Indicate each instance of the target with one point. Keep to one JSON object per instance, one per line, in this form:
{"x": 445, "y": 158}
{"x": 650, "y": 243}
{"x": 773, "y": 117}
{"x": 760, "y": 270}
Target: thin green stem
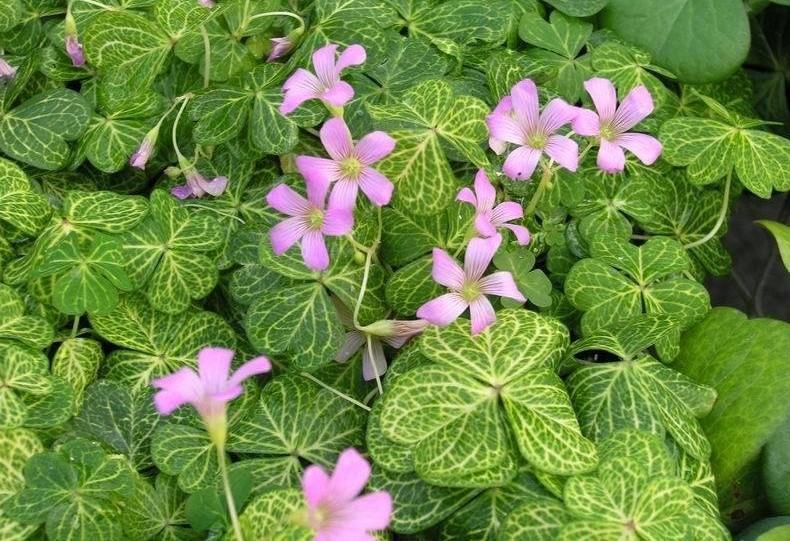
{"x": 223, "y": 468}
{"x": 545, "y": 178}
{"x": 720, "y": 220}
{"x": 363, "y": 287}
{"x": 75, "y": 327}
{"x": 216, "y": 211}
{"x": 94, "y": 3}
{"x": 185, "y": 100}
{"x": 369, "y": 340}
{"x": 335, "y": 391}
{"x": 370, "y": 395}
{"x": 206, "y": 55}
{"x": 277, "y": 13}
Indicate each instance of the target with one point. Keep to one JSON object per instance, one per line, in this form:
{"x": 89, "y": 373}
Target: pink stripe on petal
{"x": 344, "y": 194}
{"x": 485, "y": 191}
{"x": 214, "y": 368}
{"x": 349, "y": 477}
{"x": 443, "y": 310}
{"x": 564, "y": 151}
{"x": 555, "y": 115}
{"x": 315, "y": 169}
{"x": 314, "y": 251}
{"x": 479, "y": 253}
{"x": 586, "y": 123}
{"x": 336, "y": 138}
{"x": 610, "y": 157}
{"x": 324, "y": 64}
{"x": 337, "y": 222}
{"x": 484, "y": 226}
{"x": 446, "y": 271}
{"x": 521, "y": 233}
{"x": 633, "y": 109}
{"x": 300, "y": 87}
{"x": 501, "y": 284}
{"x": 258, "y": 365}
{"x": 376, "y": 186}
{"x": 315, "y": 483}
{"x": 604, "y": 97}
{"x": 505, "y": 128}
{"x": 482, "y": 314}
{"x": 338, "y": 94}
{"x": 645, "y": 147}
{"x": 504, "y": 212}
{"x": 287, "y": 233}
{"x": 467, "y": 196}
{"x": 521, "y": 163}
{"x": 373, "y": 147}
{"x": 524, "y": 97}
{"x": 353, "y": 55}
{"x": 283, "y": 199}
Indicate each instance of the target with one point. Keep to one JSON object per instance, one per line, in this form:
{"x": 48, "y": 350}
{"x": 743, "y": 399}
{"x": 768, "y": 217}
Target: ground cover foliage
{"x": 172, "y": 180}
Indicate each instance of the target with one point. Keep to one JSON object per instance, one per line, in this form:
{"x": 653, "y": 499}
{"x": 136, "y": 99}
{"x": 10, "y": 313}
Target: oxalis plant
{"x": 384, "y": 269}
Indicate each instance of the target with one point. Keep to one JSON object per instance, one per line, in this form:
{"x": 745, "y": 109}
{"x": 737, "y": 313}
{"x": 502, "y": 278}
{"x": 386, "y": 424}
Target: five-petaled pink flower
{"x": 468, "y": 287}
{"x": 325, "y": 85}
{"x": 198, "y": 186}
{"x": 335, "y": 510}
{"x": 309, "y": 221}
{"x": 518, "y": 120}
{"x": 611, "y": 124}
{"x": 349, "y": 167}
{"x": 209, "y": 390}
{"x": 488, "y": 217}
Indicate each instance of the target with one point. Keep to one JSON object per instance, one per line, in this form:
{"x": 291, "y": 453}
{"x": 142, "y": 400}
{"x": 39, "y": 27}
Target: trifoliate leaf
{"x": 179, "y": 17}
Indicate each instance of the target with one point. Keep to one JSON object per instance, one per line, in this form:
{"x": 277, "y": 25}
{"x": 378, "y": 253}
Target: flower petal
{"x": 446, "y": 270}
{"x": 564, "y": 151}
{"x": 373, "y": 147}
{"x": 214, "y": 368}
{"x": 287, "y": 233}
{"x": 484, "y": 226}
{"x": 633, "y": 109}
{"x": 555, "y": 115}
{"x": 183, "y": 191}
{"x": 645, "y": 147}
{"x": 521, "y": 163}
{"x": 524, "y": 97}
{"x": 482, "y": 313}
{"x": 258, "y": 365}
{"x": 443, "y": 310}
{"x": 314, "y": 252}
{"x": 214, "y": 186}
{"x": 349, "y": 477}
{"x": 354, "y": 341}
{"x": 479, "y": 254}
{"x": 604, "y": 97}
{"x": 315, "y": 484}
{"x": 321, "y": 170}
{"x": 521, "y": 232}
{"x": 324, "y": 65}
{"x": 368, "y": 512}
{"x": 485, "y": 191}
{"x": 586, "y": 122}
{"x": 283, "y": 199}
{"x": 316, "y": 191}
{"x": 376, "y": 186}
{"x": 337, "y": 222}
{"x": 353, "y": 55}
{"x": 338, "y": 94}
{"x": 467, "y": 196}
{"x": 376, "y": 365}
{"x": 300, "y": 87}
{"x": 344, "y": 194}
{"x": 501, "y": 284}
{"x": 504, "y": 212}
{"x": 610, "y": 157}
{"x": 177, "y": 389}
{"x": 336, "y": 139}
{"x": 504, "y": 128}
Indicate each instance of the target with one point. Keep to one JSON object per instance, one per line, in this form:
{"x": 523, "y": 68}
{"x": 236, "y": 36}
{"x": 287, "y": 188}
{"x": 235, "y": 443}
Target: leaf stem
{"x": 545, "y": 178}
{"x": 369, "y": 252}
{"x": 720, "y": 220}
{"x": 276, "y": 13}
{"x": 185, "y": 99}
{"x": 93, "y": 3}
{"x": 75, "y": 327}
{"x": 334, "y": 391}
{"x": 206, "y": 55}
{"x": 223, "y": 468}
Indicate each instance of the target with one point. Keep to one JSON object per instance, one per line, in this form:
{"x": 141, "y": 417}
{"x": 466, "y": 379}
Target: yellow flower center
{"x": 537, "y": 141}
{"x": 351, "y": 167}
{"x": 607, "y": 132}
{"x": 316, "y": 219}
{"x": 470, "y": 291}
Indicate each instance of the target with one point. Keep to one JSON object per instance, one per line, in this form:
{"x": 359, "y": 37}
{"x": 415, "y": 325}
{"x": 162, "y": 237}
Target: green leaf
{"x": 153, "y": 344}
{"x": 185, "y": 452}
{"x": 541, "y": 519}
{"x": 532, "y": 283}
{"x": 579, "y": 8}
{"x": 36, "y": 132}
{"x": 744, "y": 361}
{"x": 681, "y": 34}
{"x": 270, "y": 516}
{"x": 626, "y": 339}
{"x": 23, "y": 371}
{"x": 412, "y": 286}
{"x": 562, "y": 35}
{"x": 179, "y": 17}
{"x": 299, "y": 320}
{"x": 20, "y": 206}
{"x": 77, "y": 360}
{"x": 157, "y": 512}
{"x": 110, "y": 141}
{"x": 105, "y": 211}
{"x": 16, "y": 447}
{"x": 10, "y": 14}
{"x": 428, "y": 115}
{"x": 781, "y": 234}
{"x": 463, "y": 21}
{"x": 14, "y": 324}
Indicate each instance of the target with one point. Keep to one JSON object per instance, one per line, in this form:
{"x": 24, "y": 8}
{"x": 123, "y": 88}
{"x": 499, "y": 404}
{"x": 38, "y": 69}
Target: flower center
{"x": 470, "y": 291}
{"x": 607, "y": 132}
{"x": 537, "y": 140}
{"x": 315, "y": 218}
{"x": 351, "y": 167}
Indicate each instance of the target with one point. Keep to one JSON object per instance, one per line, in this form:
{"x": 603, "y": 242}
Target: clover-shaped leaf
{"x": 171, "y": 254}
{"x": 31, "y": 330}
{"x": 157, "y": 512}
{"x": 270, "y": 516}
{"x": 152, "y": 344}
{"x": 533, "y": 283}
{"x": 20, "y": 206}
{"x": 16, "y": 447}
{"x": 186, "y": 452}
{"x": 77, "y": 360}
{"x": 428, "y": 117}
{"x": 499, "y": 386}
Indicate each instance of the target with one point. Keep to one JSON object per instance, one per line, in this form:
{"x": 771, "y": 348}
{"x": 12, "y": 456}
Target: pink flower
{"x": 280, "y": 47}
{"x": 210, "y": 389}
{"x": 143, "y": 152}
{"x": 467, "y": 286}
{"x": 198, "y": 186}
{"x": 309, "y": 222}
{"x": 518, "y": 120}
{"x": 349, "y": 167}
{"x": 611, "y": 124}
{"x": 335, "y": 510}
{"x": 74, "y": 50}
{"x": 7, "y": 71}
{"x": 488, "y": 218}
{"x": 325, "y": 85}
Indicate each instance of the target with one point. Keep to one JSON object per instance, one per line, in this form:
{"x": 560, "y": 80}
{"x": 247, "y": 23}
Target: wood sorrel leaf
{"x": 579, "y": 8}
{"x": 781, "y": 234}
{"x": 185, "y": 452}
{"x": 77, "y": 360}
{"x": 270, "y": 516}
{"x": 16, "y": 447}
{"x": 157, "y": 511}
{"x": 20, "y": 206}
{"x": 31, "y": 330}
